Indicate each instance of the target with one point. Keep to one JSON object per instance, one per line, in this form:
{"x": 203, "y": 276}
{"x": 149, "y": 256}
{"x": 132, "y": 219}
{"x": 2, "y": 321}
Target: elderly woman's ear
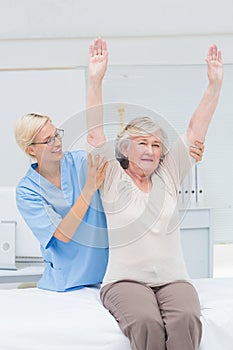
{"x": 124, "y": 147}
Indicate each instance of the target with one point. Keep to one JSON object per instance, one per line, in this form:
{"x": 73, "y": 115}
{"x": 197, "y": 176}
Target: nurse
{"x": 60, "y": 202}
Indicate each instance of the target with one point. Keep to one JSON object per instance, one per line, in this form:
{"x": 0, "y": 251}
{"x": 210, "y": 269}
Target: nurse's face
{"x": 47, "y": 145}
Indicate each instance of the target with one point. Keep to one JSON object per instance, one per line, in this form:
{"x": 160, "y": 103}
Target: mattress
{"x": 33, "y": 319}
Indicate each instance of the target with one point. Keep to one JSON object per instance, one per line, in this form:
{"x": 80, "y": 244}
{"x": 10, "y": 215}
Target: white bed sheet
{"x": 216, "y": 298}
{"x": 33, "y": 319}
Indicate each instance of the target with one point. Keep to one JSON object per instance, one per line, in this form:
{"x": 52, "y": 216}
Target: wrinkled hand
{"x": 95, "y": 173}
{"x": 197, "y": 151}
{"x": 214, "y": 66}
{"x": 98, "y": 60}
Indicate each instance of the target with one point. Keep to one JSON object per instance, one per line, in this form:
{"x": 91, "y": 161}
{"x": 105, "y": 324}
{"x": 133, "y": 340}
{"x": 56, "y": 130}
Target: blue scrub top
{"x": 83, "y": 260}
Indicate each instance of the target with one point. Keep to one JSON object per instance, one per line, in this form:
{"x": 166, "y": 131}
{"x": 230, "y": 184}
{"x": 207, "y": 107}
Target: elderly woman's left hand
{"x": 197, "y": 151}
{"x": 215, "y": 66}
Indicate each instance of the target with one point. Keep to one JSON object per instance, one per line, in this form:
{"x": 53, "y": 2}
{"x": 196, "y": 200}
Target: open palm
{"x": 98, "y": 59}
{"x": 215, "y": 66}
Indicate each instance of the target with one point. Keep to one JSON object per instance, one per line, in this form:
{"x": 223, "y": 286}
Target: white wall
{"x": 48, "y": 34}
{"x": 132, "y": 18}
{"x": 58, "y": 32}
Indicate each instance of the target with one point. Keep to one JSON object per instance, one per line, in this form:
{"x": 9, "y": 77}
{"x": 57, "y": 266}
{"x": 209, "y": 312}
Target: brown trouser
{"x": 155, "y": 318}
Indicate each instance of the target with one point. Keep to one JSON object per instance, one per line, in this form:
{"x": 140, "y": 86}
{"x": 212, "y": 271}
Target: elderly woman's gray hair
{"x": 142, "y": 126}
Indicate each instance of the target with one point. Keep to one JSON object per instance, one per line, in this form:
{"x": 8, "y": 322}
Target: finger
{"x": 198, "y": 158}
{"x": 214, "y": 52}
{"x": 104, "y": 50}
{"x": 99, "y": 46}
{"x": 102, "y": 172}
{"x": 89, "y": 160}
{"x": 96, "y": 47}
{"x": 196, "y": 151}
{"x": 103, "y": 166}
{"x": 96, "y": 161}
{"x": 103, "y": 161}
{"x": 219, "y": 56}
{"x": 91, "y": 50}
{"x": 195, "y": 148}
{"x": 200, "y": 145}
{"x": 200, "y": 149}
{"x": 104, "y": 45}
{"x": 209, "y": 54}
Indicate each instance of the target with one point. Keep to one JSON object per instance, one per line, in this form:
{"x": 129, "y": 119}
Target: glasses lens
{"x": 59, "y": 135}
{"x": 51, "y": 141}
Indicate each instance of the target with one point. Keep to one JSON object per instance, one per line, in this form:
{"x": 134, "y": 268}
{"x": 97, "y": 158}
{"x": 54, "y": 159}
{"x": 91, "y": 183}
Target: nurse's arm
{"x": 97, "y": 65}
{"x": 72, "y": 220}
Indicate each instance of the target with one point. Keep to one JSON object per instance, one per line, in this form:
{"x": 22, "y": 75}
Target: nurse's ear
{"x": 30, "y": 151}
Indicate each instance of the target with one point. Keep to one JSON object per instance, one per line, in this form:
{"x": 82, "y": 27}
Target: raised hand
{"x": 215, "y": 66}
{"x": 98, "y": 60}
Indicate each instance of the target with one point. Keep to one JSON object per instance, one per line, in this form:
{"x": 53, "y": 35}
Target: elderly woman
{"x": 59, "y": 201}
{"x": 146, "y": 286}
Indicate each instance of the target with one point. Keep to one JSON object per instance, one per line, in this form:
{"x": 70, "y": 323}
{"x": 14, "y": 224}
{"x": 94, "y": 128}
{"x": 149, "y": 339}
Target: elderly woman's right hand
{"x": 98, "y": 60}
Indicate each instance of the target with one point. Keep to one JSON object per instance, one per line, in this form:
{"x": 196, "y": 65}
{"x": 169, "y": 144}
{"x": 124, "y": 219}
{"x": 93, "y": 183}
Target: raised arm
{"x": 97, "y": 65}
{"x": 202, "y": 116}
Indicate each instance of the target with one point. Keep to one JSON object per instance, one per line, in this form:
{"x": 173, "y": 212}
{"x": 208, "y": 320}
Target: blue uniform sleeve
{"x": 38, "y": 214}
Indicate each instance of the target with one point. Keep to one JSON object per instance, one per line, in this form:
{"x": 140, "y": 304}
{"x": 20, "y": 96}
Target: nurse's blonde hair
{"x": 27, "y": 127}
{"x": 142, "y": 126}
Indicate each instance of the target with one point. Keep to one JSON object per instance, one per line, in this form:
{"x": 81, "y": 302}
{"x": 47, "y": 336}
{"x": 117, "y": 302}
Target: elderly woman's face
{"x": 144, "y": 154}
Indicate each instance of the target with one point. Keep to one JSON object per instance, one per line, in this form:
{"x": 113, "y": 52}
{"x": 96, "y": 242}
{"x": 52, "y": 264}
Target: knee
{"x": 187, "y": 322}
{"x": 148, "y": 322}
{"x": 191, "y": 317}
{"x": 144, "y": 326}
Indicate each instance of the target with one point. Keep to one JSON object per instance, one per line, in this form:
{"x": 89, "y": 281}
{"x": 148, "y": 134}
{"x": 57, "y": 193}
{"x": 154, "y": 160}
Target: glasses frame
{"x": 50, "y": 142}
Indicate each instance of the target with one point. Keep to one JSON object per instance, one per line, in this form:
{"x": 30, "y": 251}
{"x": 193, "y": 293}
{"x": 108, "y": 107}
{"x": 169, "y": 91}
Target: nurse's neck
{"x": 51, "y": 171}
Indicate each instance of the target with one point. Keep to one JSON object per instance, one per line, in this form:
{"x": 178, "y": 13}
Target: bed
{"x": 33, "y": 319}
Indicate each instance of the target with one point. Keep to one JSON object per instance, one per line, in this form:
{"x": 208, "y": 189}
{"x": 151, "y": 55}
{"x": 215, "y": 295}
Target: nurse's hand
{"x": 96, "y": 172}
{"x": 197, "y": 151}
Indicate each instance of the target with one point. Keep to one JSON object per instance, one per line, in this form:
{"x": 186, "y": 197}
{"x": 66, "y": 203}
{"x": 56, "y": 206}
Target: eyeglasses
{"x": 50, "y": 142}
